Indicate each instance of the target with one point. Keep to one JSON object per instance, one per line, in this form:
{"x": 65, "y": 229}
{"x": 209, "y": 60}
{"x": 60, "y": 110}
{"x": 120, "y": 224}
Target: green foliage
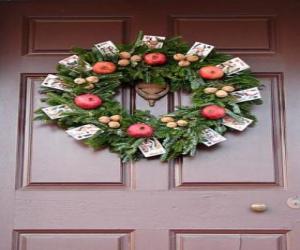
{"x": 177, "y": 141}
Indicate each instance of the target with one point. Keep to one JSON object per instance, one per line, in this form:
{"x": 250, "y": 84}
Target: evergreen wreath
{"x": 82, "y": 93}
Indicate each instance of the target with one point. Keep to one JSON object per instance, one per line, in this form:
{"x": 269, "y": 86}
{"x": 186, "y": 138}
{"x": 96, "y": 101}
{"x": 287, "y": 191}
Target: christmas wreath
{"x": 80, "y": 96}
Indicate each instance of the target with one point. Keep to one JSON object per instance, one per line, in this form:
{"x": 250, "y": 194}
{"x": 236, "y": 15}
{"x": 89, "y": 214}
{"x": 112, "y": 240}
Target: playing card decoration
{"x": 55, "y": 112}
{"x": 81, "y": 97}
{"x": 246, "y": 95}
{"x": 53, "y": 81}
{"x": 151, "y": 147}
{"x": 83, "y": 132}
{"x": 211, "y": 137}
{"x": 154, "y": 42}
{"x": 107, "y": 48}
{"x": 237, "y": 122}
{"x": 233, "y": 66}
{"x": 73, "y": 62}
{"x": 200, "y": 49}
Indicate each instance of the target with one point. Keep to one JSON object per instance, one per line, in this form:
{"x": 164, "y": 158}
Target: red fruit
{"x": 88, "y": 101}
{"x": 140, "y": 130}
{"x": 155, "y": 58}
{"x": 211, "y": 72}
{"x": 213, "y": 112}
{"x": 104, "y": 67}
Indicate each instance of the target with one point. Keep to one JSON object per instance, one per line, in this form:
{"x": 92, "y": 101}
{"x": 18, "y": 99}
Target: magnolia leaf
{"x": 235, "y": 108}
{"x": 196, "y": 83}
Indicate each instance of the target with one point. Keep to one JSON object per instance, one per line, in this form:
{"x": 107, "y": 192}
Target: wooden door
{"x": 56, "y": 194}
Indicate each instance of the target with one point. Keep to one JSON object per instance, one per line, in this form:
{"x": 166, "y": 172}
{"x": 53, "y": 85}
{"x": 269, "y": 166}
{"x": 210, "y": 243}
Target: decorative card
{"x": 200, "y": 49}
{"x": 154, "y": 42}
{"x": 233, "y": 66}
{"x": 55, "y": 112}
{"x": 211, "y": 137}
{"x": 73, "y": 61}
{"x": 151, "y": 147}
{"x": 53, "y": 82}
{"x": 107, "y": 48}
{"x": 83, "y": 132}
{"x": 247, "y": 95}
{"x": 239, "y": 123}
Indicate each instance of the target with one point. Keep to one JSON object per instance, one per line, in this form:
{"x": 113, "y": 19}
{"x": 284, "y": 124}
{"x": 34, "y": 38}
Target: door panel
{"x": 66, "y": 168}
{"x": 56, "y": 35}
{"x": 259, "y": 38}
{"x": 73, "y": 241}
{"x": 227, "y": 163}
{"x": 243, "y": 241}
{"x": 56, "y": 193}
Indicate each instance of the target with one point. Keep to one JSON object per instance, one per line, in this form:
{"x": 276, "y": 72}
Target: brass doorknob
{"x": 258, "y": 207}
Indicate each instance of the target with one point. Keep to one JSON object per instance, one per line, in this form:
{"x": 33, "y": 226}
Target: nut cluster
{"x": 111, "y": 121}
{"x": 185, "y": 60}
{"x": 88, "y": 81}
{"x": 172, "y": 123}
{"x": 126, "y": 57}
{"x": 221, "y": 93}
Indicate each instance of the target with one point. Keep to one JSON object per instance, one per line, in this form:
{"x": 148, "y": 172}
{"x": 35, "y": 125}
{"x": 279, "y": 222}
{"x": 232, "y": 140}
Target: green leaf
{"x": 196, "y": 83}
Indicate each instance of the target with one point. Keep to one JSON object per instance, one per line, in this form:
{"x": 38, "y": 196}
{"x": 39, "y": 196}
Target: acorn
{"x": 89, "y": 86}
{"x": 228, "y": 88}
{"x": 192, "y": 58}
{"x": 104, "y": 119}
{"x": 125, "y": 55}
{"x": 136, "y": 58}
{"x": 182, "y": 123}
{"x": 114, "y": 124}
{"x": 167, "y": 119}
{"x": 184, "y": 63}
{"x": 115, "y": 118}
{"x": 171, "y": 125}
{"x": 210, "y": 90}
{"x": 79, "y": 80}
{"x": 92, "y": 79}
{"x": 179, "y": 57}
{"x": 221, "y": 93}
{"x": 123, "y": 62}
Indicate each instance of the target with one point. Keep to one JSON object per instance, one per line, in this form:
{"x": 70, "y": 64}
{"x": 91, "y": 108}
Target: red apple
{"x": 213, "y": 112}
{"x": 155, "y": 58}
{"x": 104, "y": 67}
{"x": 88, "y": 101}
{"x": 211, "y": 72}
{"x": 140, "y": 130}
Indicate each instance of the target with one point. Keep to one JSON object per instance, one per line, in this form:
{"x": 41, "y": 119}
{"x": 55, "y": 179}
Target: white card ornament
{"x": 73, "y": 61}
{"x": 151, "y": 147}
{"x": 107, "y": 48}
{"x": 246, "y": 95}
{"x": 83, "y": 132}
{"x": 53, "y": 82}
{"x": 154, "y": 42}
{"x": 200, "y": 49}
{"x": 211, "y": 137}
{"x": 55, "y": 112}
{"x": 238, "y": 123}
{"x": 233, "y": 66}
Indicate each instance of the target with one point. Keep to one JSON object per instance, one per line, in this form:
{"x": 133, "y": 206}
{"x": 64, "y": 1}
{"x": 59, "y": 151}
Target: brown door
{"x": 56, "y": 194}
